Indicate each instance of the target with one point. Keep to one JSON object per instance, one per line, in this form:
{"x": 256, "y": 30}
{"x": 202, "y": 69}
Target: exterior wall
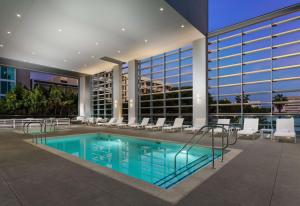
{"x": 85, "y": 96}
{"x": 117, "y": 91}
{"x": 23, "y": 77}
{"x": 132, "y": 89}
{"x": 200, "y": 79}
{"x": 253, "y": 70}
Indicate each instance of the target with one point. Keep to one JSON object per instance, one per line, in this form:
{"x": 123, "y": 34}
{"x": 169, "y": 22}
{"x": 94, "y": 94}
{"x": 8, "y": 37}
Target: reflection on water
{"x": 142, "y": 159}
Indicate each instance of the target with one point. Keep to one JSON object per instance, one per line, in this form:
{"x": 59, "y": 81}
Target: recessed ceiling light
{"x": 182, "y": 26}
{"x": 65, "y": 60}
{"x": 161, "y": 9}
{"x": 123, "y": 29}
{"x": 59, "y": 30}
{"x": 92, "y": 56}
{"x": 119, "y": 51}
{"x": 146, "y": 40}
{"x": 19, "y": 15}
{"x": 8, "y": 32}
{"x": 1, "y": 45}
{"x": 97, "y": 43}
{"x": 78, "y": 52}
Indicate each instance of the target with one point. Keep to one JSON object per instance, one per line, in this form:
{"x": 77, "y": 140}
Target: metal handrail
{"x": 191, "y": 143}
{"x": 173, "y": 173}
{"x": 43, "y": 130}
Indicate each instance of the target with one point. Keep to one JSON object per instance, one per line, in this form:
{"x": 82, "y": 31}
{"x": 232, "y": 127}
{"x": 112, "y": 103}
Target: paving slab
{"x": 264, "y": 173}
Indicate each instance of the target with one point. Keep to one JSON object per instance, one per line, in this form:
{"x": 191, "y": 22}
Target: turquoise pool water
{"x": 147, "y": 160}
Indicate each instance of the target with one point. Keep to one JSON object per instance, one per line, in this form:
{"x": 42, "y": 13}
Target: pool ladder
{"x": 202, "y": 161}
{"x": 41, "y": 133}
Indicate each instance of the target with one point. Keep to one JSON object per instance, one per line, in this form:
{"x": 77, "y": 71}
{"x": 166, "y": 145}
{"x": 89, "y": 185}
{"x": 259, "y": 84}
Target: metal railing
{"x": 207, "y": 129}
{"x": 43, "y": 128}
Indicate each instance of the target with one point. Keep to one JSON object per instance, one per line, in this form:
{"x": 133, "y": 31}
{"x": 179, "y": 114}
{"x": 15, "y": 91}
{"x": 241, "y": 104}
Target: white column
{"x": 132, "y": 89}
{"x": 117, "y": 91}
{"x": 85, "y": 89}
{"x": 200, "y": 103}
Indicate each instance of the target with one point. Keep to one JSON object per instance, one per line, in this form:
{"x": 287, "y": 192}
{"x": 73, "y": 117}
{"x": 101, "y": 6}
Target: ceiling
{"x": 74, "y": 34}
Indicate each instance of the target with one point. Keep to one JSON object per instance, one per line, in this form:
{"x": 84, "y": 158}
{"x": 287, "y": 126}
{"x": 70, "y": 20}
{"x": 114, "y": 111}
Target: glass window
{"x": 3, "y": 72}
{"x": 3, "y": 87}
{"x": 269, "y": 71}
{"x": 10, "y": 73}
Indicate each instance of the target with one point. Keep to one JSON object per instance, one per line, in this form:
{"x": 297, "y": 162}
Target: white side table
{"x": 267, "y": 131}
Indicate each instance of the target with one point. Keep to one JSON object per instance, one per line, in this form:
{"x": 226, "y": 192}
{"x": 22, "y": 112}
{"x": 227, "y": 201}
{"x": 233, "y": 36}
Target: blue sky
{"x": 227, "y": 12}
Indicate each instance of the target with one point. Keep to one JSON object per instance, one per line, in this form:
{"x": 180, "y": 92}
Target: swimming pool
{"x": 148, "y": 160}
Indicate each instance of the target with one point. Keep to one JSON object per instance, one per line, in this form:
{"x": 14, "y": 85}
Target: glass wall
{"x": 102, "y": 95}
{"x": 165, "y": 86}
{"x": 7, "y": 80}
{"x": 125, "y": 91}
{"x": 255, "y": 72}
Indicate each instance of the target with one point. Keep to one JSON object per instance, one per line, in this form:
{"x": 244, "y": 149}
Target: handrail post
{"x": 213, "y": 147}
{"x": 222, "y": 159}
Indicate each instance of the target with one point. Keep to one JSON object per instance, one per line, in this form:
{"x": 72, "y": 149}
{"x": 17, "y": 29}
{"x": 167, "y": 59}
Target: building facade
{"x": 251, "y": 70}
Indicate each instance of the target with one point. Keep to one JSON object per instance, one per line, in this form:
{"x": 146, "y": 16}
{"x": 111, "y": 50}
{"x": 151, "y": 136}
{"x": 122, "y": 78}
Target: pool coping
{"x": 171, "y": 195}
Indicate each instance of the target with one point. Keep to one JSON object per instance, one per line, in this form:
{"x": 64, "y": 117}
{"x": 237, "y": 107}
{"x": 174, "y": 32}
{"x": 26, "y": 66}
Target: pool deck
{"x": 265, "y": 173}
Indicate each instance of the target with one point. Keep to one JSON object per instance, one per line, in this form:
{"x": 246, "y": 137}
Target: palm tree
{"x": 279, "y": 99}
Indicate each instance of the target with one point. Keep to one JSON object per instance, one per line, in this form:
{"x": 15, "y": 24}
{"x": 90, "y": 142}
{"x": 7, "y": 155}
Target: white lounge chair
{"x": 99, "y": 120}
{"x": 78, "y": 120}
{"x": 199, "y": 123}
{"x": 111, "y": 121}
{"x": 222, "y": 122}
{"x": 285, "y": 128}
{"x": 118, "y": 122}
{"x": 90, "y": 121}
{"x": 250, "y": 127}
{"x": 143, "y": 124}
{"x": 63, "y": 122}
{"x": 159, "y": 124}
{"x": 176, "y": 126}
{"x": 130, "y": 122}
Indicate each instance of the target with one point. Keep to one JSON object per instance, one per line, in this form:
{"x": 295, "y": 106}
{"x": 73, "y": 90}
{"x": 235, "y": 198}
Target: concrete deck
{"x": 265, "y": 173}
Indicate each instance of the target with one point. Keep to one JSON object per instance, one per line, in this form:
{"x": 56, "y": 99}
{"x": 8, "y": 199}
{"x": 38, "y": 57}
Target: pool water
{"x": 148, "y": 160}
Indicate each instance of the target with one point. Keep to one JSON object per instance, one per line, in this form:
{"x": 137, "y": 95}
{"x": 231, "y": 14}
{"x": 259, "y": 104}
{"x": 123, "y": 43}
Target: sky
{"x": 224, "y": 13}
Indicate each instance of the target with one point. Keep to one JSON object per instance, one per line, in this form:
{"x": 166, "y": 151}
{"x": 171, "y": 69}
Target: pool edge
{"x": 172, "y": 195}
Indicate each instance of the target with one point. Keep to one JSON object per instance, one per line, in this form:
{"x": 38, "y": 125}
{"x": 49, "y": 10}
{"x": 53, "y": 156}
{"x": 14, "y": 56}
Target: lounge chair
{"x": 199, "y": 123}
{"x": 130, "y": 122}
{"x": 176, "y": 126}
{"x": 63, "y": 122}
{"x": 111, "y": 121}
{"x": 99, "y": 120}
{"x": 159, "y": 124}
{"x": 285, "y": 128}
{"x": 90, "y": 121}
{"x": 143, "y": 124}
{"x": 78, "y": 120}
{"x": 222, "y": 122}
{"x": 250, "y": 127}
{"x": 118, "y": 122}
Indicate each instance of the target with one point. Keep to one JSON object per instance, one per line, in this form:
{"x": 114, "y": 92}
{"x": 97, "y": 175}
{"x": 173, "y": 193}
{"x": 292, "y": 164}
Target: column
{"x": 200, "y": 101}
{"x": 117, "y": 91}
{"x": 132, "y": 89}
{"x": 85, "y": 92}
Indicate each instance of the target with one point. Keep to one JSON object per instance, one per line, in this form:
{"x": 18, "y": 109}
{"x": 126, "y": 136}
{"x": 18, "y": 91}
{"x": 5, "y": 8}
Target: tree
{"x": 10, "y": 102}
{"x": 55, "y": 99}
{"x": 37, "y": 101}
{"x": 279, "y": 100}
{"x": 245, "y": 98}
